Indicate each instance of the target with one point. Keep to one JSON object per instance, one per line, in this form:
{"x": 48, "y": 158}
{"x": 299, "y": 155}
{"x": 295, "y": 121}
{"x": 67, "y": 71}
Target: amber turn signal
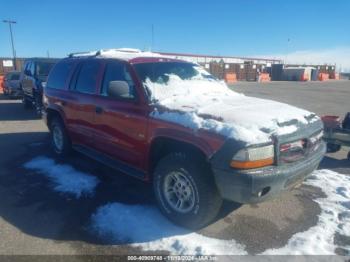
{"x": 251, "y": 164}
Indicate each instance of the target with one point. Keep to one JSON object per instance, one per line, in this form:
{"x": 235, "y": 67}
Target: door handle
{"x": 98, "y": 110}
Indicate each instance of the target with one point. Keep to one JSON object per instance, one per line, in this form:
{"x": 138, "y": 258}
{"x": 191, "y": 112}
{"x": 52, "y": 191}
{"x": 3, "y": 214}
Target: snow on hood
{"x": 209, "y": 104}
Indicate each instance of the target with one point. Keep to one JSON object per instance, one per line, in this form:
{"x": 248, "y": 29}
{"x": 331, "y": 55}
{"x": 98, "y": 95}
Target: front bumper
{"x": 257, "y": 185}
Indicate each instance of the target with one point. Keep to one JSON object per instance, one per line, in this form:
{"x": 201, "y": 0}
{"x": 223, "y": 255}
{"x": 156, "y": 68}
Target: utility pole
{"x": 152, "y": 43}
{"x": 10, "y": 22}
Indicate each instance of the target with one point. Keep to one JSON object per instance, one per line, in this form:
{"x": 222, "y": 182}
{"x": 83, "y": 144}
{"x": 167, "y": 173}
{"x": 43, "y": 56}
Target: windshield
{"x": 43, "y": 68}
{"x": 160, "y": 72}
{"x": 166, "y": 80}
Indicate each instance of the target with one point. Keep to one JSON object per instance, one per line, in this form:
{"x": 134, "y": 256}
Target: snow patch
{"x": 334, "y": 218}
{"x": 146, "y": 227}
{"x": 64, "y": 178}
{"x": 202, "y": 103}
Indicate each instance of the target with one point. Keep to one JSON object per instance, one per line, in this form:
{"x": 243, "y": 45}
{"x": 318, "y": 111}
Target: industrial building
{"x": 231, "y": 68}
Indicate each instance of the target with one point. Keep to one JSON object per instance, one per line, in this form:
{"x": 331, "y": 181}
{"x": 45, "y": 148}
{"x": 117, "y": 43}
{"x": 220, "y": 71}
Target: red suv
{"x": 169, "y": 122}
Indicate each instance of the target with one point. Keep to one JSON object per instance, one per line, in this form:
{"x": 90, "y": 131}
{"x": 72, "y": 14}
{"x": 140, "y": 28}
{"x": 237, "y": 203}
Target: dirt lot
{"x": 34, "y": 219}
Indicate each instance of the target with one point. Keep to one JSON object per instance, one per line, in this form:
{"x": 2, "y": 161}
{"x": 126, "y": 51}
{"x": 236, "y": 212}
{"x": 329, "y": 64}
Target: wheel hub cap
{"x": 179, "y": 192}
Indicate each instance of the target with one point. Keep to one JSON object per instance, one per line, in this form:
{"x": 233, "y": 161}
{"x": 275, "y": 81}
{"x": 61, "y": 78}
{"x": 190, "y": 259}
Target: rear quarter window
{"x": 59, "y": 75}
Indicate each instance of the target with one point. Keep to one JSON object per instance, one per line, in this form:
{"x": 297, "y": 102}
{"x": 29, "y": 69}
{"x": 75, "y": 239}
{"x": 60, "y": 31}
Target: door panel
{"x": 28, "y": 82}
{"x": 121, "y": 131}
{"x": 120, "y": 122}
{"x": 79, "y": 113}
{"x": 79, "y": 102}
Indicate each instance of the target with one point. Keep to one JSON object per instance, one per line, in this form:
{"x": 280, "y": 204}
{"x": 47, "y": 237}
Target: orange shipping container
{"x": 323, "y": 76}
{"x": 230, "y": 78}
{"x": 1, "y": 84}
{"x": 264, "y": 77}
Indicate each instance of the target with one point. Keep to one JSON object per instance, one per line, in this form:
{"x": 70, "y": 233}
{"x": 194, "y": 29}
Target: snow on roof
{"x": 127, "y": 53}
{"x": 119, "y": 53}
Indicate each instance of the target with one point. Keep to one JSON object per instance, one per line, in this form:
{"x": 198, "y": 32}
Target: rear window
{"x": 59, "y": 75}
{"x": 15, "y": 77}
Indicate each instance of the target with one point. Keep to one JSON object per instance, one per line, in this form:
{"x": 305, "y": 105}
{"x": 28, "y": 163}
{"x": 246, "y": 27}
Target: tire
{"x": 202, "y": 199}
{"x": 26, "y": 102}
{"x": 332, "y": 148}
{"x": 60, "y": 141}
{"x": 38, "y": 104}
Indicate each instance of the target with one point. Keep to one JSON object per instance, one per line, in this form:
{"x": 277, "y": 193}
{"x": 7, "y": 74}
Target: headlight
{"x": 253, "y": 157}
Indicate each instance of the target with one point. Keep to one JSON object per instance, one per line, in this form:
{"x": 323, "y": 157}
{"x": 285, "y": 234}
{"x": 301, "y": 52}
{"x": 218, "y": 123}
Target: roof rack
{"x": 80, "y": 54}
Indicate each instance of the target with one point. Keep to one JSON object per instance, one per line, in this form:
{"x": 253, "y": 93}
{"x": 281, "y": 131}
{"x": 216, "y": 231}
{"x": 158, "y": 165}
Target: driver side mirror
{"x": 119, "y": 89}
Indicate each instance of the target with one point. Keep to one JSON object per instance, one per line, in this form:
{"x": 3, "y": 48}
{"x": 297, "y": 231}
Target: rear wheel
{"x": 38, "y": 104}
{"x": 60, "y": 142}
{"x": 185, "y": 190}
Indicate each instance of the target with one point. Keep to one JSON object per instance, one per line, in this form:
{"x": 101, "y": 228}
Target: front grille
{"x": 299, "y": 149}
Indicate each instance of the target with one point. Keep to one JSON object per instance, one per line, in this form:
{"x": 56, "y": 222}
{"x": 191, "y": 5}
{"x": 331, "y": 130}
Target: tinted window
{"x": 87, "y": 79}
{"x": 43, "y": 68}
{"x": 117, "y": 72}
{"x": 15, "y": 77}
{"x": 26, "y": 67}
{"x": 59, "y": 74}
{"x": 32, "y": 68}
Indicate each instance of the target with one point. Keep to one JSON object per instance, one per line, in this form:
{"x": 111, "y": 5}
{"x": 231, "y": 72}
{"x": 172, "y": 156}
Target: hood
{"x": 216, "y": 108}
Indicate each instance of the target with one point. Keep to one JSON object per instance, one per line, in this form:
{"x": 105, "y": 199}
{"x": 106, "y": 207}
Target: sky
{"x": 293, "y": 30}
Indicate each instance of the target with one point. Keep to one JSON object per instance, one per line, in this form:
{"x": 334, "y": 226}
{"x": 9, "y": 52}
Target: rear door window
{"x": 60, "y": 73}
{"x": 88, "y": 77}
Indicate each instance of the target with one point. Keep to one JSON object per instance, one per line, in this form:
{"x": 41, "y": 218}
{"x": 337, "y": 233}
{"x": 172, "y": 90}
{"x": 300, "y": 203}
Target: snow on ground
{"x": 334, "y": 218}
{"x": 205, "y": 103}
{"x": 145, "y": 227}
{"x": 64, "y": 178}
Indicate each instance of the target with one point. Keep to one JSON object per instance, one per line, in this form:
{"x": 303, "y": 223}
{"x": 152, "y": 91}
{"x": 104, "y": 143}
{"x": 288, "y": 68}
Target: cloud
{"x": 339, "y": 56}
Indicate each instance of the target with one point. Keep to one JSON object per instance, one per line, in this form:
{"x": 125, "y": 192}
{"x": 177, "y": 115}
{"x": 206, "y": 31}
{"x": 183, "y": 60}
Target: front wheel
{"x": 186, "y": 191}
